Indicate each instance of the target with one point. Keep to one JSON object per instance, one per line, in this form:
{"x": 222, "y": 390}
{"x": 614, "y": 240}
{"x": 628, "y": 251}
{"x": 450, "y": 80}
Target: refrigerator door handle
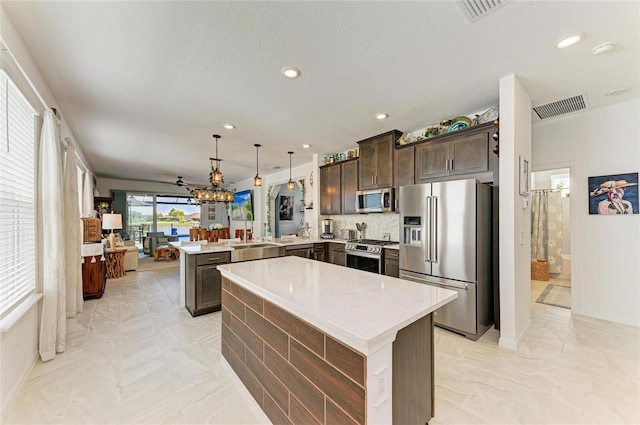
{"x": 433, "y": 240}
{"x": 463, "y": 286}
{"x": 427, "y": 227}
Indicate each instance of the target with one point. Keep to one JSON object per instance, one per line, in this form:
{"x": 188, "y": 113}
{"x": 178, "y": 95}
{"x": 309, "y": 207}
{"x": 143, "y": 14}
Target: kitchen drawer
{"x": 213, "y": 258}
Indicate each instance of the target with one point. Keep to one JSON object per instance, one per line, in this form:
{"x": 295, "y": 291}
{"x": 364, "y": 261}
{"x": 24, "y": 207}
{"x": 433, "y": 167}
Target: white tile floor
{"x": 135, "y": 357}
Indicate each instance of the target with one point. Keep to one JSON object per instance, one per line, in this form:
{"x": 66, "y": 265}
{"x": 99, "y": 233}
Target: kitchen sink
{"x": 255, "y": 251}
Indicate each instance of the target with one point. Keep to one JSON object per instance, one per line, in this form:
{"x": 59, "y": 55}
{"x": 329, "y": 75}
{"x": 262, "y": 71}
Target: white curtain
{"x": 73, "y": 230}
{"x": 51, "y": 210}
{"x": 87, "y": 196}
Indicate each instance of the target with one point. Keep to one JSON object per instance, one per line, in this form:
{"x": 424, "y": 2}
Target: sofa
{"x": 155, "y": 239}
{"x": 131, "y": 256}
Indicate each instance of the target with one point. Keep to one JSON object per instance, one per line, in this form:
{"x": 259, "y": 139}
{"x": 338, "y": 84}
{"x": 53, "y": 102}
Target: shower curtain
{"x": 546, "y": 228}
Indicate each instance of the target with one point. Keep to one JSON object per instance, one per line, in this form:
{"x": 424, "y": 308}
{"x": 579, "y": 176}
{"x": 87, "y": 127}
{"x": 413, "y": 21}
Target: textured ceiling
{"x": 144, "y": 85}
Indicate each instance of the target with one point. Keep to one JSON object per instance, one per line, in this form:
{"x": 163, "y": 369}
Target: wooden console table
{"x": 115, "y": 262}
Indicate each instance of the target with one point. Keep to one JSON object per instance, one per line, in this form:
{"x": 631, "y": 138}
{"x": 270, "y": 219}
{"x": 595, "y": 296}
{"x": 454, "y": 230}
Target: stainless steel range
{"x": 366, "y": 254}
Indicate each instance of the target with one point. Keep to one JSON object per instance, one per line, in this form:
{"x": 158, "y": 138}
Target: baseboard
{"x": 607, "y": 317}
{"x": 13, "y": 395}
{"x": 511, "y": 344}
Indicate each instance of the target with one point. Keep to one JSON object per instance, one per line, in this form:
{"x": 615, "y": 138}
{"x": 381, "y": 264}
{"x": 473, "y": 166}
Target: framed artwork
{"x": 286, "y": 208}
{"x": 524, "y": 177}
{"x": 242, "y": 206}
{"x": 613, "y": 194}
{"x": 211, "y": 214}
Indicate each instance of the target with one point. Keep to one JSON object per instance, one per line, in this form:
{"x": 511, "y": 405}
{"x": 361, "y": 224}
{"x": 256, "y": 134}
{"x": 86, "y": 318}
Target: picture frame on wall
{"x": 286, "y": 208}
{"x": 524, "y": 177}
{"x": 614, "y": 194}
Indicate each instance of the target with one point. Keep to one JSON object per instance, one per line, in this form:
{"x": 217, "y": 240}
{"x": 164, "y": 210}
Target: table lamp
{"x": 110, "y": 222}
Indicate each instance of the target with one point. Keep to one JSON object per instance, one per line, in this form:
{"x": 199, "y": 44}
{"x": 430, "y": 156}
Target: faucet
{"x": 246, "y": 214}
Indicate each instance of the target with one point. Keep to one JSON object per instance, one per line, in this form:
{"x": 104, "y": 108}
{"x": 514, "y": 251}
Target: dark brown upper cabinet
{"x": 376, "y": 161}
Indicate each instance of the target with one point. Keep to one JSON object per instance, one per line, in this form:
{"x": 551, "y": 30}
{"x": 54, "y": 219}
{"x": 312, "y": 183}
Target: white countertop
{"x": 364, "y": 310}
{"x": 197, "y": 247}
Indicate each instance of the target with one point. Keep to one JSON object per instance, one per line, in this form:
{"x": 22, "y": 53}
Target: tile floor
{"x": 133, "y": 356}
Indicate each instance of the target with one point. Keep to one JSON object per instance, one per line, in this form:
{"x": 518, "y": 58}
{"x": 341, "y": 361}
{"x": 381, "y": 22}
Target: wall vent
{"x": 476, "y": 9}
{"x": 561, "y": 107}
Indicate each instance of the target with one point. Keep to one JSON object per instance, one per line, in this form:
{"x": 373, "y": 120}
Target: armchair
{"x": 155, "y": 239}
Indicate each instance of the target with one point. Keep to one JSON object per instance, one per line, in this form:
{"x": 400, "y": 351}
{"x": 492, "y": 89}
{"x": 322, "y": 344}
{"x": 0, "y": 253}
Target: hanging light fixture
{"x": 217, "y": 174}
{"x": 290, "y": 184}
{"x": 215, "y": 192}
{"x": 257, "y": 180}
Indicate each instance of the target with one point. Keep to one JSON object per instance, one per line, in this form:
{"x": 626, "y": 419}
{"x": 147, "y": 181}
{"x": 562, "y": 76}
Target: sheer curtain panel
{"x": 51, "y": 208}
{"x": 87, "y": 196}
{"x": 73, "y": 240}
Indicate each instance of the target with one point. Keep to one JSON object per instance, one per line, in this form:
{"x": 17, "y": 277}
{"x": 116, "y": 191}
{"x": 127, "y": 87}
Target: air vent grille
{"x": 561, "y": 107}
{"x": 476, "y": 9}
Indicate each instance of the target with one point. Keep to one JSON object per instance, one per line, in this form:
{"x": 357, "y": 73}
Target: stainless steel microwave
{"x": 377, "y": 200}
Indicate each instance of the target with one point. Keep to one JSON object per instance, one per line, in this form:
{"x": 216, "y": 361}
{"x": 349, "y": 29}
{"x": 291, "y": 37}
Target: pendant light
{"x": 217, "y": 174}
{"x": 257, "y": 180}
{"x": 290, "y": 184}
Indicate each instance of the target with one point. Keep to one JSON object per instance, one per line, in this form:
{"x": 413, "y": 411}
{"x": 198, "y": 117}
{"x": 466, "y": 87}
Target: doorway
{"x": 551, "y": 240}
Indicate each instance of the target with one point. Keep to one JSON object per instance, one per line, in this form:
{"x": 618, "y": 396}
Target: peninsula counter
{"x": 318, "y": 343}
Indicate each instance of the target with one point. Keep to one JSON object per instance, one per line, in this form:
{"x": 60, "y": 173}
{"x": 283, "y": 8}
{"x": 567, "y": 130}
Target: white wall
{"x": 18, "y": 346}
{"x": 515, "y": 216}
{"x": 606, "y": 249}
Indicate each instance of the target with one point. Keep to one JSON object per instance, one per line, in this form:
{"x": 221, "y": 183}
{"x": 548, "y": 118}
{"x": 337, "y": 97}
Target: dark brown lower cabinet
{"x": 204, "y": 282}
{"x": 392, "y": 262}
{"x": 336, "y": 254}
{"x": 94, "y": 277}
{"x": 319, "y": 252}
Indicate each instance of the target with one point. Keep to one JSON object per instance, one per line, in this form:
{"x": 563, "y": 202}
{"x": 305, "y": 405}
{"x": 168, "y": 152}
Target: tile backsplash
{"x": 377, "y": 224}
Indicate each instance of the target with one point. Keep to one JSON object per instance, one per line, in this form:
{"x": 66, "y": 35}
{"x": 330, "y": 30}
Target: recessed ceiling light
{"x": 306, "y": 146}
{"x": 603, "y": 48}
{"x": 291, "y": 72}
{"x": 617, "y": 92}
{"x": 382, "y": 116}
{"x": 568, "y": 41}
{"x": 229, "y": 126}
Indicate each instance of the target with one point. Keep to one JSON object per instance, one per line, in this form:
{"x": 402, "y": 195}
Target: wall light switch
{"x": 521, "y": 238}
{"x": 525, "y": 203}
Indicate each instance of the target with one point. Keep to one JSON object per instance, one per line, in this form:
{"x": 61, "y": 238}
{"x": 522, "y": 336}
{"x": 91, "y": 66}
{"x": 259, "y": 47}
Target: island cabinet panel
{"x": 412, "y": 382}
{"x": 203, "y": 282}
{"x": 295, "y": 372}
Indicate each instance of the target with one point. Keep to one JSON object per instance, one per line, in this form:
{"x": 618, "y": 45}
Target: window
{"x": 17, "y": 196}
{"x": 561, "y": 182}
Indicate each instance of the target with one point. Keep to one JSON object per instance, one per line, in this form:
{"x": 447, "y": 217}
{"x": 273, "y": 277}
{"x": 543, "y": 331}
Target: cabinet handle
{"x": 214, "y": 259}
{"x": 213, "y": 267}
{"x": 452, "y": 164}
{"x": 446, "y": 165}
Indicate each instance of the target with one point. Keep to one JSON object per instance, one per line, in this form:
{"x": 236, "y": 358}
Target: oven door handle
{"x": 364, "y": 254}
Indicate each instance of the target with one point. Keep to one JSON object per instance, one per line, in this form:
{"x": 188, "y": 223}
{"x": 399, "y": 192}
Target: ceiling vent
{"x": 476, "y": 9}
{"x": 561, "y": 107}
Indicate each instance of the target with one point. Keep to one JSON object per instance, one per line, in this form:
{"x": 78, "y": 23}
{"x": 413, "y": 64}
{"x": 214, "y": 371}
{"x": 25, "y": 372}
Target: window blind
{"x": 17, "y": 196}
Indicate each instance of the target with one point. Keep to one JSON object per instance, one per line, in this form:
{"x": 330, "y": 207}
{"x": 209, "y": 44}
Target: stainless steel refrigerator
{"x": 445, "y": 241}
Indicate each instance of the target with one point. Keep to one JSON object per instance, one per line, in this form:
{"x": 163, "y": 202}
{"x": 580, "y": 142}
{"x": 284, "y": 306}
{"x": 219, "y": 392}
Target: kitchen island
{"x": 319, "y": 343}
